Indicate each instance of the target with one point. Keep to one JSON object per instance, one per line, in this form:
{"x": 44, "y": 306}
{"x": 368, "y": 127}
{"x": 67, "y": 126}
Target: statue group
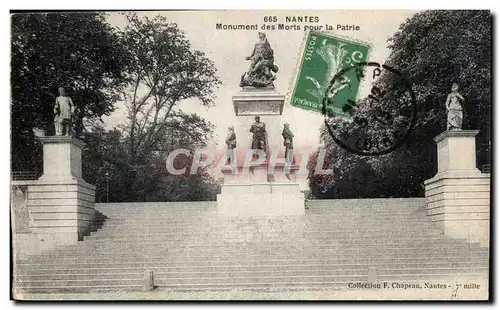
{"x": 262, "y": 67}
{"x": 259, "y": 140}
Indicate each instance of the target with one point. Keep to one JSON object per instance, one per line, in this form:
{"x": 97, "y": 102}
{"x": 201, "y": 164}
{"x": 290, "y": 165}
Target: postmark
{"x": 377, "y": 124}
{"x": 323, "y": 56}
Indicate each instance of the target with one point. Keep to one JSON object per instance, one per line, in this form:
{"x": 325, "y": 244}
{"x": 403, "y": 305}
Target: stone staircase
{"x": 188, "y": 247}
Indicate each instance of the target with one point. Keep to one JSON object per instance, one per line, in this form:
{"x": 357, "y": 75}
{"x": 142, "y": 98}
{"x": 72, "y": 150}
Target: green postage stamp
{"x": 323, "y": 57}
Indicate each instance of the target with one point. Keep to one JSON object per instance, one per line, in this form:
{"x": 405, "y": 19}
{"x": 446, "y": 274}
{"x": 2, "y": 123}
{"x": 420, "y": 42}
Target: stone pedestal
{"x": 260, "y": 192}
{"x": 266, "y": 189}
{"x": 60, "y": 203}
{"x": 458, "y": 196}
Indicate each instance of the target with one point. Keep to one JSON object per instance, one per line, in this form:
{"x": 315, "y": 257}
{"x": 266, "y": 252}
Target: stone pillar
{"x": 259, "y": 191}
{"x": 458, "y": 196}
{"x": 60, "y": 203}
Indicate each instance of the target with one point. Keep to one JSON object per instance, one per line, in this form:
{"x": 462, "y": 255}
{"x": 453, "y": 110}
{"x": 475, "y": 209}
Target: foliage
{"x": 433, "y": 49}
{"x": 165, "y": 70}
{"x": 149, "y": 66}
{"x": 78, "y": 51}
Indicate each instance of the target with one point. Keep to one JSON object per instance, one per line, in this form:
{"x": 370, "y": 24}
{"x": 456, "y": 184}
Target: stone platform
{"x": 260, "y": 191}
{"x": 458, "y": 196}
{"x": 59, "y": 206}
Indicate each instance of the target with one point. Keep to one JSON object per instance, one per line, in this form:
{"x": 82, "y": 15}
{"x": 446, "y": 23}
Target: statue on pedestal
{"x": 288, "y": 143}
{"x": 260, "y": 73}
{"x": 231, "y": 144}
{"x": 259, "y": 139}
{"x": 454, "y": 108}
{"x": 63, "y": 111}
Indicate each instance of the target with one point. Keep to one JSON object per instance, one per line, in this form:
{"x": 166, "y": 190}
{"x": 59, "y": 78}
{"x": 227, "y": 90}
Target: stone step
{"x": 368, "y": 209}
{"x": 164, "y": 264}
{"x": 235, "y": 240}
{"x": 244, "y": 260}
{"x": 161, "y": 274}
{"x": 80, "y": 276}
{"x": 159, "y": 247}
{"x": 137, "y": 241}
{"x": 336, "y": 282}
{"x": 274, "y": 238}
{"x": 368, "y": 205}
{"x": 309, "y": 217}
{"x": 423, "y": 227}
{"x": 281, "y": 235}
{"x": 201, "y": 228}
{"x": 124, "y": 281}
{"x": 382, "y": 201}
{"x": 324, "y": 222}
{"x": 79, "y": 289}
{"x": 230, "y": 259}
{"x": 168, "y": 261}
{"x": 209, "y": 287}
{"x": 161, "y": 282}
{"x": 225, "y": 260}
{"x": 172, "y": 204}
{"x": 223, "y": 286}
{"x": 381, "y": 268}
{"x": 335, "y": 235}
{"x": 330, "y": 249}
{"x": 311, "y": 212}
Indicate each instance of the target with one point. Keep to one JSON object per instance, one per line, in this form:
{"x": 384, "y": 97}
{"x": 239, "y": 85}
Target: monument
{"x": 60, "y": 203}
{"x": 266, "y": 186}
{"x": 458, "y": 196}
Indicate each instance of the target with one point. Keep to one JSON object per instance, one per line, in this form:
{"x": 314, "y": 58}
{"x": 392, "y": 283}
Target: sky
{"x": 228, "y": 49}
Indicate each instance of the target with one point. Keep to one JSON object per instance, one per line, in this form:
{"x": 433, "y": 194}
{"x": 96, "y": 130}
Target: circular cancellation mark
{"x": 375, "y": 125}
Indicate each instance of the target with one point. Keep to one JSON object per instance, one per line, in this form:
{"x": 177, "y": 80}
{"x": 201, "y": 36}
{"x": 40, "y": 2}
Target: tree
{"x": 433, "y": 49}
{"x": 438, "y": 48}
{"x": 106, "y": 164}
{"x": 164, "y": 71}
{"x": 78, "y": 51}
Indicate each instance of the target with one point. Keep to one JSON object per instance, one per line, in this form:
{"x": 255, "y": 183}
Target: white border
{"x": 191, "y": 4}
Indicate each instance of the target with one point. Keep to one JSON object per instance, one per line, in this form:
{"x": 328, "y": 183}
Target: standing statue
{"x": 231, "y": 144}
{"x": 259, "y": 139}
{"x": 454, "y": 108}
{"x": 288, "y": 143}
{"x": 260, "y": 73}
{"x": 63, "y": 110}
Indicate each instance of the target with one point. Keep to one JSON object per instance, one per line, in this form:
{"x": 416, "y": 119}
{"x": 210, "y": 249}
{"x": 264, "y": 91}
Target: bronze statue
{"x": 260, "y": 73}
{"x": 288, "y": 143}
{"x": 454, "y": 108}
{"x": 259, "y": 139}
{"x": 63, "y": 110}
{"x": 231, "y": 144}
